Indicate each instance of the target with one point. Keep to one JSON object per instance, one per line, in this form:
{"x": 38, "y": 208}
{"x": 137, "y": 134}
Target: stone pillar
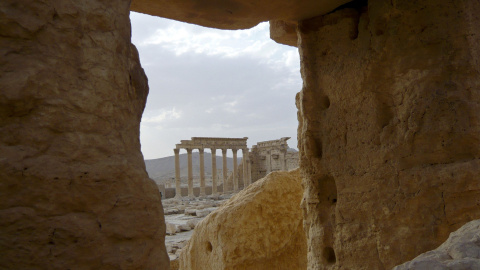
{"x": 224, "y": 161}
{"x": 245, "y": 167}
{"x": 178, "y": 184}
{"x": 202, "y": 173}
{"x": 190, "y": 174}
{"x": 283, "y": 159}
{"x": 235, "y": 170}
{"x": 214, "y": 171}
{"x": 249, "y": 171}
{"x": 268, "y": 161}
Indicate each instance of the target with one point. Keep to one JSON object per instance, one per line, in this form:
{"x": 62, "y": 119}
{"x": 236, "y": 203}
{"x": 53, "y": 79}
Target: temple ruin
{"x": 266, "y": 157}
{"x": 273, "y": 155}
{"x": 213, "y": 144}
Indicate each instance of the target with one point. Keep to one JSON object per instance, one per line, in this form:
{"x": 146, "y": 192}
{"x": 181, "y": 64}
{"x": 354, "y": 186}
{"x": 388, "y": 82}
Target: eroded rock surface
{"x": 389, "y": 129}
{"x": 388, "y": 136}
{"x": 259, "y": 228}
{"x": 460, "y": 251}
{"x": 74, "y": 191}
{"x": 235, "y": 14}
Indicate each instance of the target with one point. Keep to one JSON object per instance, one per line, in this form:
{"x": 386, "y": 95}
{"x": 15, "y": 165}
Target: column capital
{"x": 189, "y": 150}
{"x": 224, "y": 151}
{"x": 234, "y": 150}
{"x": 200, "y": 150}
{"x": 176, "y": 150}
{"x": 213, "y": 149}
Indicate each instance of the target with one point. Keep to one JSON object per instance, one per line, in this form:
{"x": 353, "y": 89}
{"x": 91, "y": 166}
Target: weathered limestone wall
{"x": 73, "y": 189}
{"x": 389, "y": 132}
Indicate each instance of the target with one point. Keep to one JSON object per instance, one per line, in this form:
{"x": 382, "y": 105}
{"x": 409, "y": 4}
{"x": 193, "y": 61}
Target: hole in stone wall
{"x": 384, "y": 114}
{"x": 325, "y": 102}
{"x": 329, "y": 255}
{"x": 209, "y": 246}
{"x": 315, "y": 146}
{"x": 355, "y": 8}
{"x": 327, "y": 189}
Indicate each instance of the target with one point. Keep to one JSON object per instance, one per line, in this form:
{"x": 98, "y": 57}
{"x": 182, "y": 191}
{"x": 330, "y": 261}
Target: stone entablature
{"x": 213, "y": 144}
{"x": 280, "y": 144}
{"x": 269, "y": 156}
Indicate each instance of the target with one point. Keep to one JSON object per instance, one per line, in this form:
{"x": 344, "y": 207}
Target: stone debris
{"x": 171, "y": 228}
{"x": 460, "y": 251}
{"x": 193, "y": 222}
{"x": 202, "y": 213}
{"x": 191, "y": 211}
{"x": 181, "y": 217}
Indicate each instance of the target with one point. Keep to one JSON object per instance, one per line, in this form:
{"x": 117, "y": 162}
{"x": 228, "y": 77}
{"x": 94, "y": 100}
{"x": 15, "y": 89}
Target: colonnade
{"x": 246, "y": 174}
{"x": 218, "y": 143}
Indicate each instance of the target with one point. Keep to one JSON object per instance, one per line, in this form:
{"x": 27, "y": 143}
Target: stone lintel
{"x": 212, "y": 142}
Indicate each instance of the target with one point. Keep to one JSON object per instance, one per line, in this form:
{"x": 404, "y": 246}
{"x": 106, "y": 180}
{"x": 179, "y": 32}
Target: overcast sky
{"x": 214, "y": 83}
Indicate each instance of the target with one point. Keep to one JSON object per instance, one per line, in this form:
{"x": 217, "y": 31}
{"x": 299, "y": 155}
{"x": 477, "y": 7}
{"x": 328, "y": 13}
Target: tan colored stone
{"x": 284, "y": 32}
{"x": 74, "y": 190}
{"x": 461, "y": 251}
{"x": 389, "y": 130}
{"x": 259, "y": 228}
{"x": 174, "y": 264}
{"x": 235, "y": 14}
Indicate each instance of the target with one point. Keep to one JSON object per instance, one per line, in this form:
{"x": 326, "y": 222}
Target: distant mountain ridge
{"x": 161, "y": 169}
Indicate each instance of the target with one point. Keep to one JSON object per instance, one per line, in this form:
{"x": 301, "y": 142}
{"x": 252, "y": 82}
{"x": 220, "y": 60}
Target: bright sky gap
{"x": 214, "y": 83}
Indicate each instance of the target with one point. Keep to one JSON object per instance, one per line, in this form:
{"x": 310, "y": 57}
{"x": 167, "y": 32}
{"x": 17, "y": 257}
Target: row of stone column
{"x": 246, "y": 172}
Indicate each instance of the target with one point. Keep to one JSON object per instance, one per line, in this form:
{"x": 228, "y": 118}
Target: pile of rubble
{"x": 181, "y": 217}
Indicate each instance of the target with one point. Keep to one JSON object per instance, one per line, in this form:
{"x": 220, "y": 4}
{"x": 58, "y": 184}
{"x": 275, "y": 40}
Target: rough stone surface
{"x": 259, "y": 228}
{"x": 461, "y": 251}
{"x": 284, "y": 32}
{"x": 235, "y": 14}
{"x": 389, "y": 131}
{"x": 74, "y": 190}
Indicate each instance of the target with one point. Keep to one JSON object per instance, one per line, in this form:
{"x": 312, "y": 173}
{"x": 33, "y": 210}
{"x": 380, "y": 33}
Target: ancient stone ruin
{"x": 266, "y": 157}
{"x": 388, "y": 131}
{"x": 213, "y": 144}
{"x": 270, "y": 156}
